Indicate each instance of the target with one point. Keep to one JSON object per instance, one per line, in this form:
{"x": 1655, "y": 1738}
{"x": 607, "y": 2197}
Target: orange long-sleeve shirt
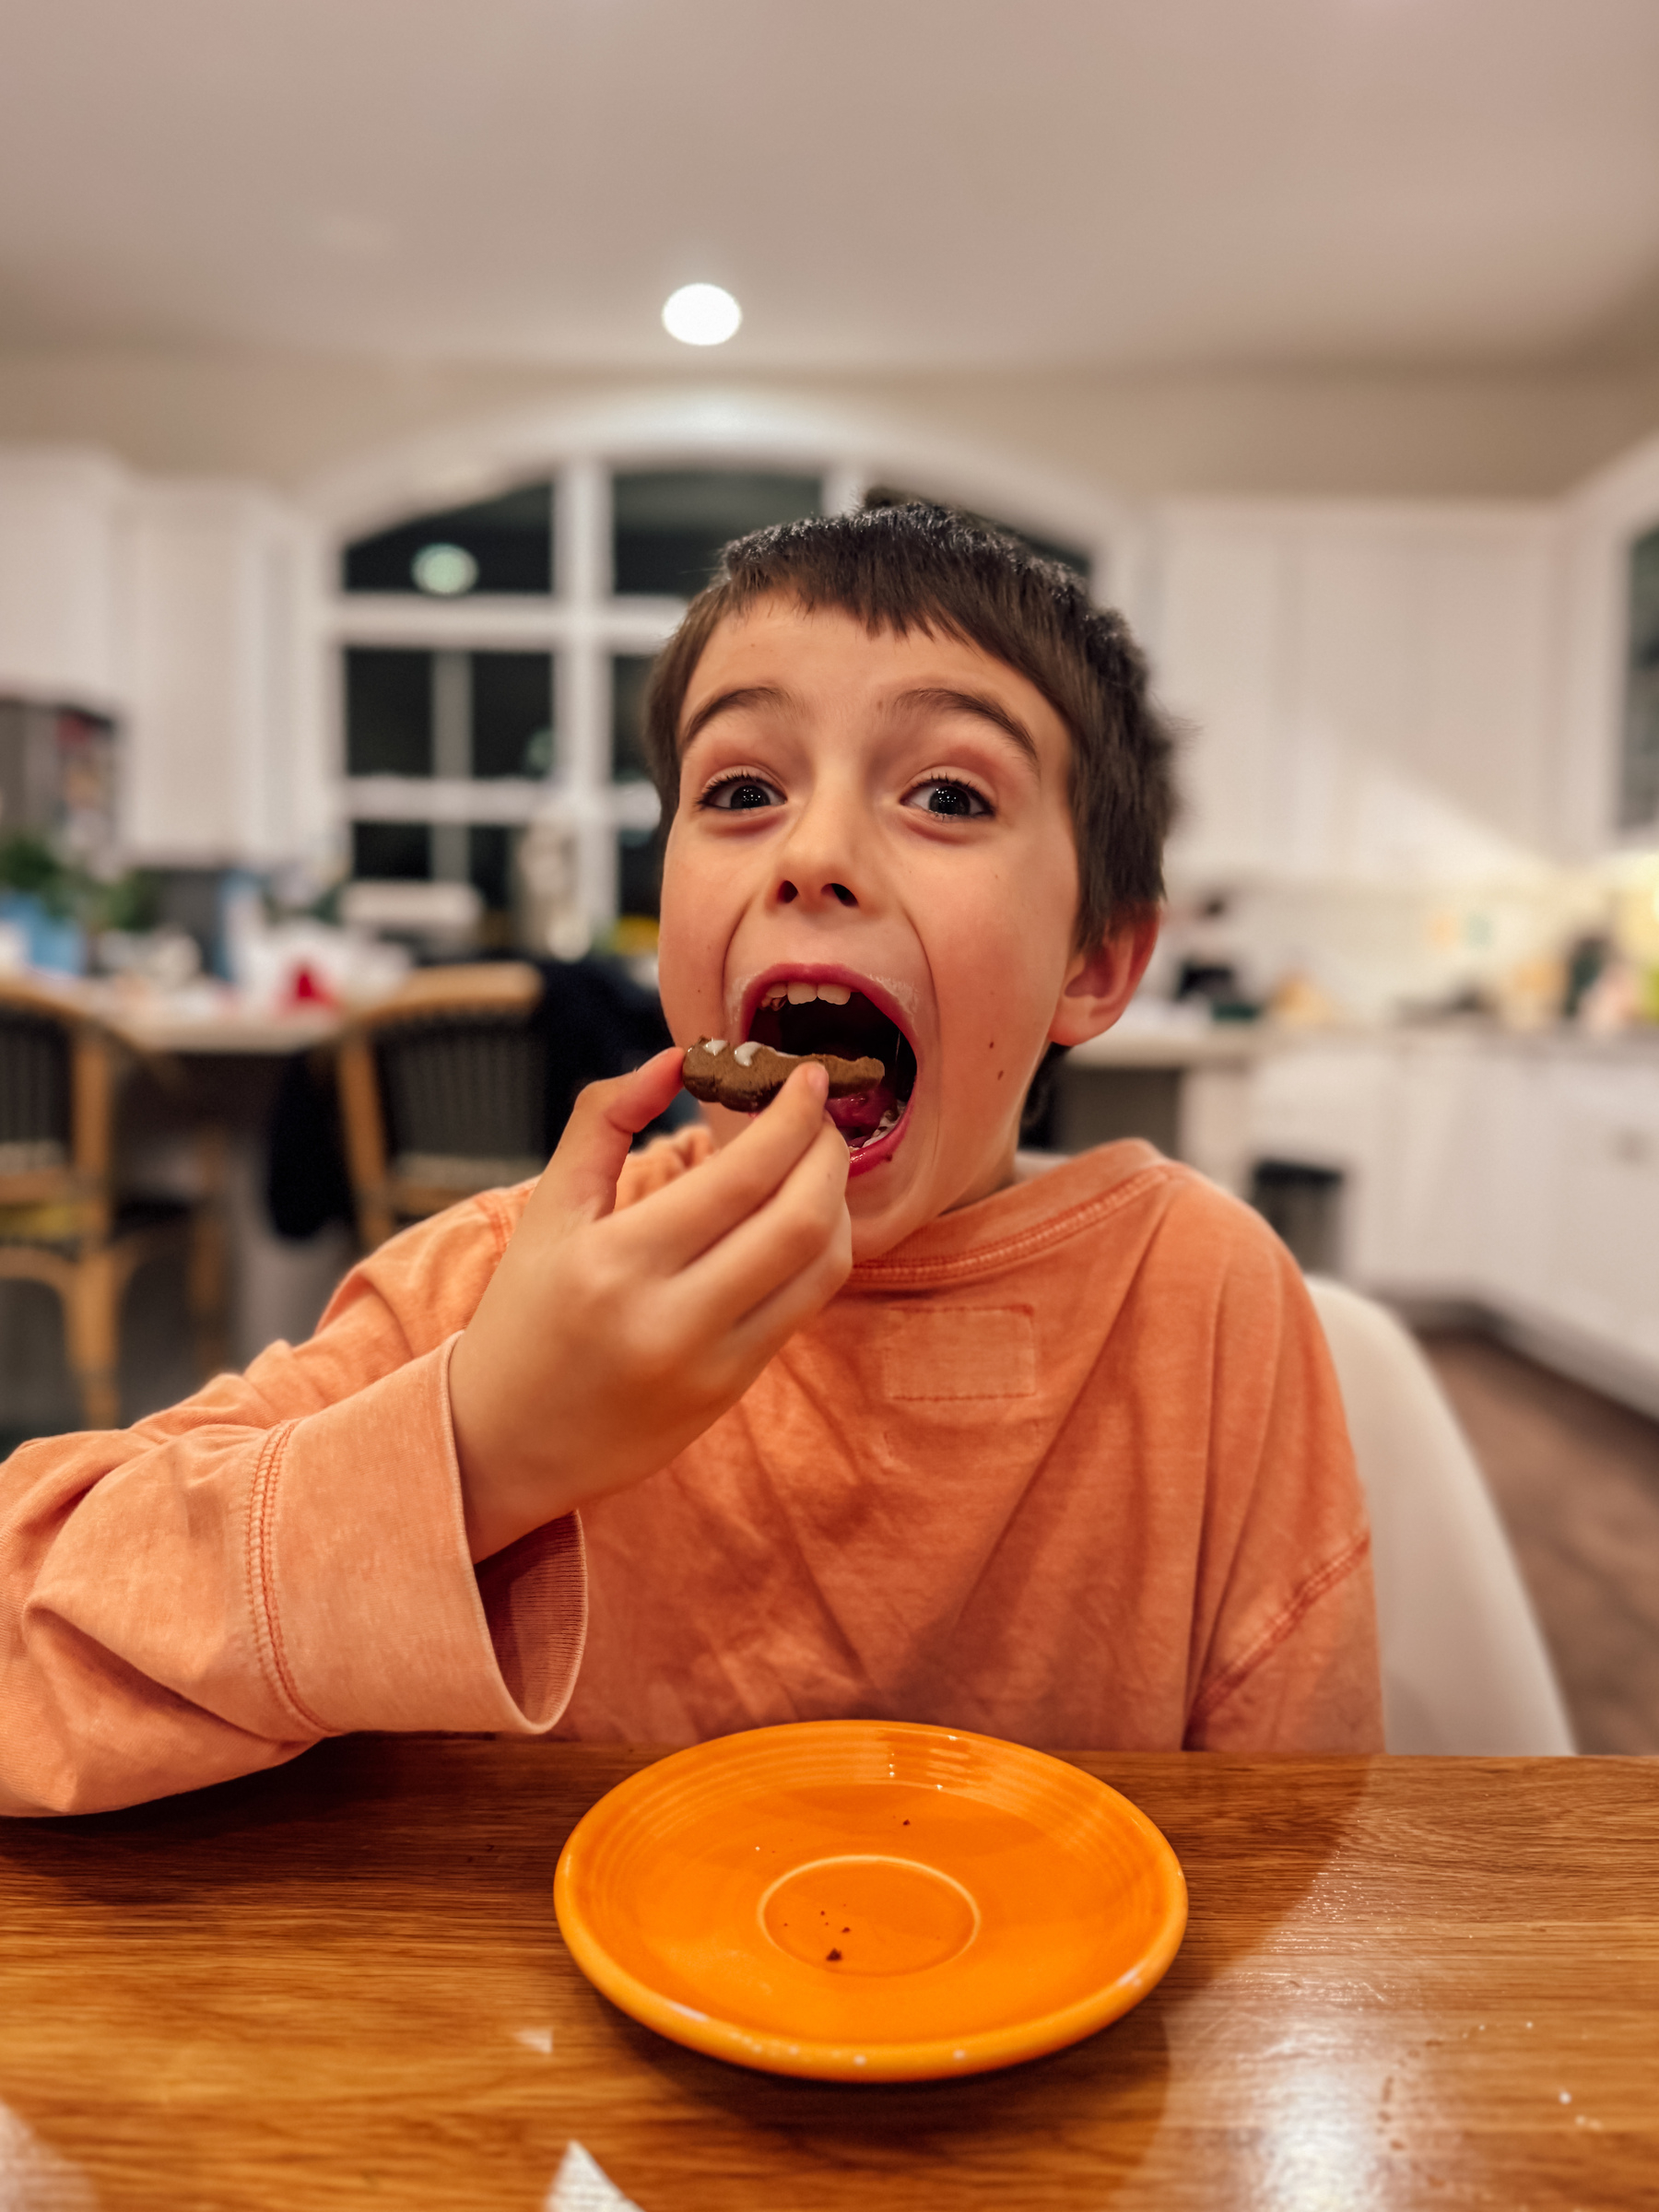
{"x": 1069, "y": 1465}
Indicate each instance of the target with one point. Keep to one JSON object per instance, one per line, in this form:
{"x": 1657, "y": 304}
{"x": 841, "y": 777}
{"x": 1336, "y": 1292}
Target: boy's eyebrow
{"x": 931, "y": 698}
{"x": 733, "y": 702}
{"x": 946, "y": 697}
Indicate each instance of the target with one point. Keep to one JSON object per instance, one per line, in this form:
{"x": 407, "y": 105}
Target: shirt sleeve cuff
{"x": 366, "y": 1608}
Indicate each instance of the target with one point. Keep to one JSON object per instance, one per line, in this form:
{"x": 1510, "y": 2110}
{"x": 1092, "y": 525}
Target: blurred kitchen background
{"x": 349, "y": 478}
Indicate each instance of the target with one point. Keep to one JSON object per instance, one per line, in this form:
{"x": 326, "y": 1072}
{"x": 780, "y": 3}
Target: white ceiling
{"x": 885, "y": 184}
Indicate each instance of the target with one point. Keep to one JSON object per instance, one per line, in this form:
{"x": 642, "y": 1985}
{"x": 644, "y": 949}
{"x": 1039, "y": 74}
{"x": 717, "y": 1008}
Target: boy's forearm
{"x": 206, "y": 1595}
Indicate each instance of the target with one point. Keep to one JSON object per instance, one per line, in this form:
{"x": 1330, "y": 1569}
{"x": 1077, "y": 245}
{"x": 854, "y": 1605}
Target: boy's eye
{"x": 738, "y": 793}
{"x": 943, "y": 795}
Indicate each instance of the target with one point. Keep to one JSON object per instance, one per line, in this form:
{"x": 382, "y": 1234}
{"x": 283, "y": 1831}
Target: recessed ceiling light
{"x": 445, "y": 571}
{"x": 701, "y": 314}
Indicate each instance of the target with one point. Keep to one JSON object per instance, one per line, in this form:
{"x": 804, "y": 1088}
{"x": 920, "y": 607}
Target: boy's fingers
{"x": 773, "y": 1244}
{"x": 770, "y": 1323}
{"x": 580, "y": 1182}
{"x": 678, "y": 1224}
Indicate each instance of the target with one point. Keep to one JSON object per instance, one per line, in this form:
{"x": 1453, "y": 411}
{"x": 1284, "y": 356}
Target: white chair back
{"x": 1465, "y": 1669}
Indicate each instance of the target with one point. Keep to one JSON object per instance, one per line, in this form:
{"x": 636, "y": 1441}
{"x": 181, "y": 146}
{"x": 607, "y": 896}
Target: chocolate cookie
{"x": 747, "y": 1076}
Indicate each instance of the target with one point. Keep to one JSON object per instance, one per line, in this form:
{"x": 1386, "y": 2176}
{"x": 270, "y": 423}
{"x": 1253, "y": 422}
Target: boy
{"x": 856, "y": 1420}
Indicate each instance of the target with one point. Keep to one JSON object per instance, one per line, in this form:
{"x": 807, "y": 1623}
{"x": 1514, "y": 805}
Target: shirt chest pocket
{"x": 956, "y": 1352}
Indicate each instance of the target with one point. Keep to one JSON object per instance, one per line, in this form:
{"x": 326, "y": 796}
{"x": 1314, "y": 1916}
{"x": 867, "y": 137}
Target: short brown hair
{"x": 902, "y": 565}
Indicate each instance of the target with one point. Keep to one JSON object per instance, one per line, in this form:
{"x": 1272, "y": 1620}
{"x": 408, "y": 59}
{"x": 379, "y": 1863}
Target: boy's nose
{"x": 789, "y": 892}
{"x": 823, "y": 864}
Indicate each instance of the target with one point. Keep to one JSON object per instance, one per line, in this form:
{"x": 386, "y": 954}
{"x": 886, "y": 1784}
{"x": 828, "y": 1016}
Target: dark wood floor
{"x": 1576, "y": 1480}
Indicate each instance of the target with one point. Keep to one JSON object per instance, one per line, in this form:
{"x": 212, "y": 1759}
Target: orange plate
{"x": 869, "y": 1901}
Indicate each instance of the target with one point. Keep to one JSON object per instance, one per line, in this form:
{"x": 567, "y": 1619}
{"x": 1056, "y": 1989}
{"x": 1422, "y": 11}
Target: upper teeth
{"x": 798, "y": 993}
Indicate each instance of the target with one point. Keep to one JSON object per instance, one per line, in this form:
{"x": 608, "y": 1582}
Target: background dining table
{"x": 1404, "y": 1982}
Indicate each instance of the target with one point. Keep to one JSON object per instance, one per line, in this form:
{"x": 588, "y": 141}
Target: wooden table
{"x": 217, "y": 1027}
{"x": 1406, "y": 1982}
{"x": 233, "y": 1033}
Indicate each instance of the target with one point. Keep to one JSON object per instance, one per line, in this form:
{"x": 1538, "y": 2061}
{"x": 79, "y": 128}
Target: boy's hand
{"x": 607, "y": 1342}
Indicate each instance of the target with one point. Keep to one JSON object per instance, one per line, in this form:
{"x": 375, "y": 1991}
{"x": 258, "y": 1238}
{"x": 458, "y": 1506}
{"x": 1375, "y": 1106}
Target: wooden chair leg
{"x": 206, "y": 1287}
{"x": 208, "y": 1271}
{"x": 92, "y": 1331}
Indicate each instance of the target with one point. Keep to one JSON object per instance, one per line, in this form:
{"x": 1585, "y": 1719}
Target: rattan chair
{"x": 443, "y": 1093}
{"x": 62, "y": 1219}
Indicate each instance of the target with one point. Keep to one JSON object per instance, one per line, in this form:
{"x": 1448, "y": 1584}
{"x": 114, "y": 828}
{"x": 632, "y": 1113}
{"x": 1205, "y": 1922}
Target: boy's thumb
{"x": 581, "y": 1178}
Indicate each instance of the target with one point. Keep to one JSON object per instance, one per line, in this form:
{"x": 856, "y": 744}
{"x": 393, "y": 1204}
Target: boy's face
{"x": 884, "y": 820}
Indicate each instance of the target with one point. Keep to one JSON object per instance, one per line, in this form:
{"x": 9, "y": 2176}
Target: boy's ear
{"x": 1100, "y": 983}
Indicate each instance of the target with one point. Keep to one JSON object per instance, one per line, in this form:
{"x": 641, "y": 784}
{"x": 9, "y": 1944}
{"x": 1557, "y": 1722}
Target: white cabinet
{"x": 1396, "y": 1116}
{"x": 1220, "y": 642}
{"x": 1327, "y": 1102}
{"x": 1510, "y": 1156}
{"x": 59, "y": 576}
{"x": 1601, "y": 1225}
{"x": 1520, "y": 1174}
{"x": 179, "y": 610}
{"x": 1426, "y": 1221}
{"x": 220, "y": 694}
{"x": 1369, "y": 688}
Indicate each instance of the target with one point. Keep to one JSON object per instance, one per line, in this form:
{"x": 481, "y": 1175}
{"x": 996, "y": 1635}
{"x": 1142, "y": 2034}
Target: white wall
{"x": 281, "y": 419}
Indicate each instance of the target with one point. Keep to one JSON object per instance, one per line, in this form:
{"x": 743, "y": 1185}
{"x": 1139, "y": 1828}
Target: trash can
{"x": 1302, "y": 1203}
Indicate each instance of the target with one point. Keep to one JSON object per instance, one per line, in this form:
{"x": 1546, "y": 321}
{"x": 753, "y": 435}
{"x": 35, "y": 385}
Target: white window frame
{"x": 582, "y": 623}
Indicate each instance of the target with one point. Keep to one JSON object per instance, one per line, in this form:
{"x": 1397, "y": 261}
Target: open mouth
{"x": 798, "y": 1014}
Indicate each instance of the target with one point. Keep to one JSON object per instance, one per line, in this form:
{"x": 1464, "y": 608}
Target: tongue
{"x": 858, "y": 1117}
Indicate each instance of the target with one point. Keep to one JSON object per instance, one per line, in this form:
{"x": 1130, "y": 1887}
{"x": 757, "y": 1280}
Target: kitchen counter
{"x": 1134, "y": 1043}
{"x": 1176, "y": 1045}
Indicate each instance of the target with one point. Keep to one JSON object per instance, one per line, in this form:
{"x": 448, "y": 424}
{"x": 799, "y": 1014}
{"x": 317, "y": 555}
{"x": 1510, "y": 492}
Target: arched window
{"x": 490, "y": 657}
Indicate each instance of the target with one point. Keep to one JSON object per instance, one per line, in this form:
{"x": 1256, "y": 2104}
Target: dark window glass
{"x": 388, "y": 712}
{"x": 669, "y": 525}
{"x": 512, "y": 713}
{"x": 1052, "y": 548}
{"x": 490, "y": 863}
{"x": 500, "y": 544}
{"x": 631, "y": 672}
{"x": 392, "y": 851}
{"x": 639, "y": 872}
{"x": 1639, "y": 776}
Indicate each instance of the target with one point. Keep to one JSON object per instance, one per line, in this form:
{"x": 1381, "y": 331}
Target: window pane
{"x": 631, "y": 672}
{"x": 388, "y": 712}
{"x": 1053, "y": 549}
{"x": 500, "y": 544}
{"x": 1639, "y": 779}
{"x": 490, "y": 865}
{"x": 670, "y": 524}
{"x": 639, "y": 872}
{"x": 392, "y": 851}
{"x": 512, "y": 713}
